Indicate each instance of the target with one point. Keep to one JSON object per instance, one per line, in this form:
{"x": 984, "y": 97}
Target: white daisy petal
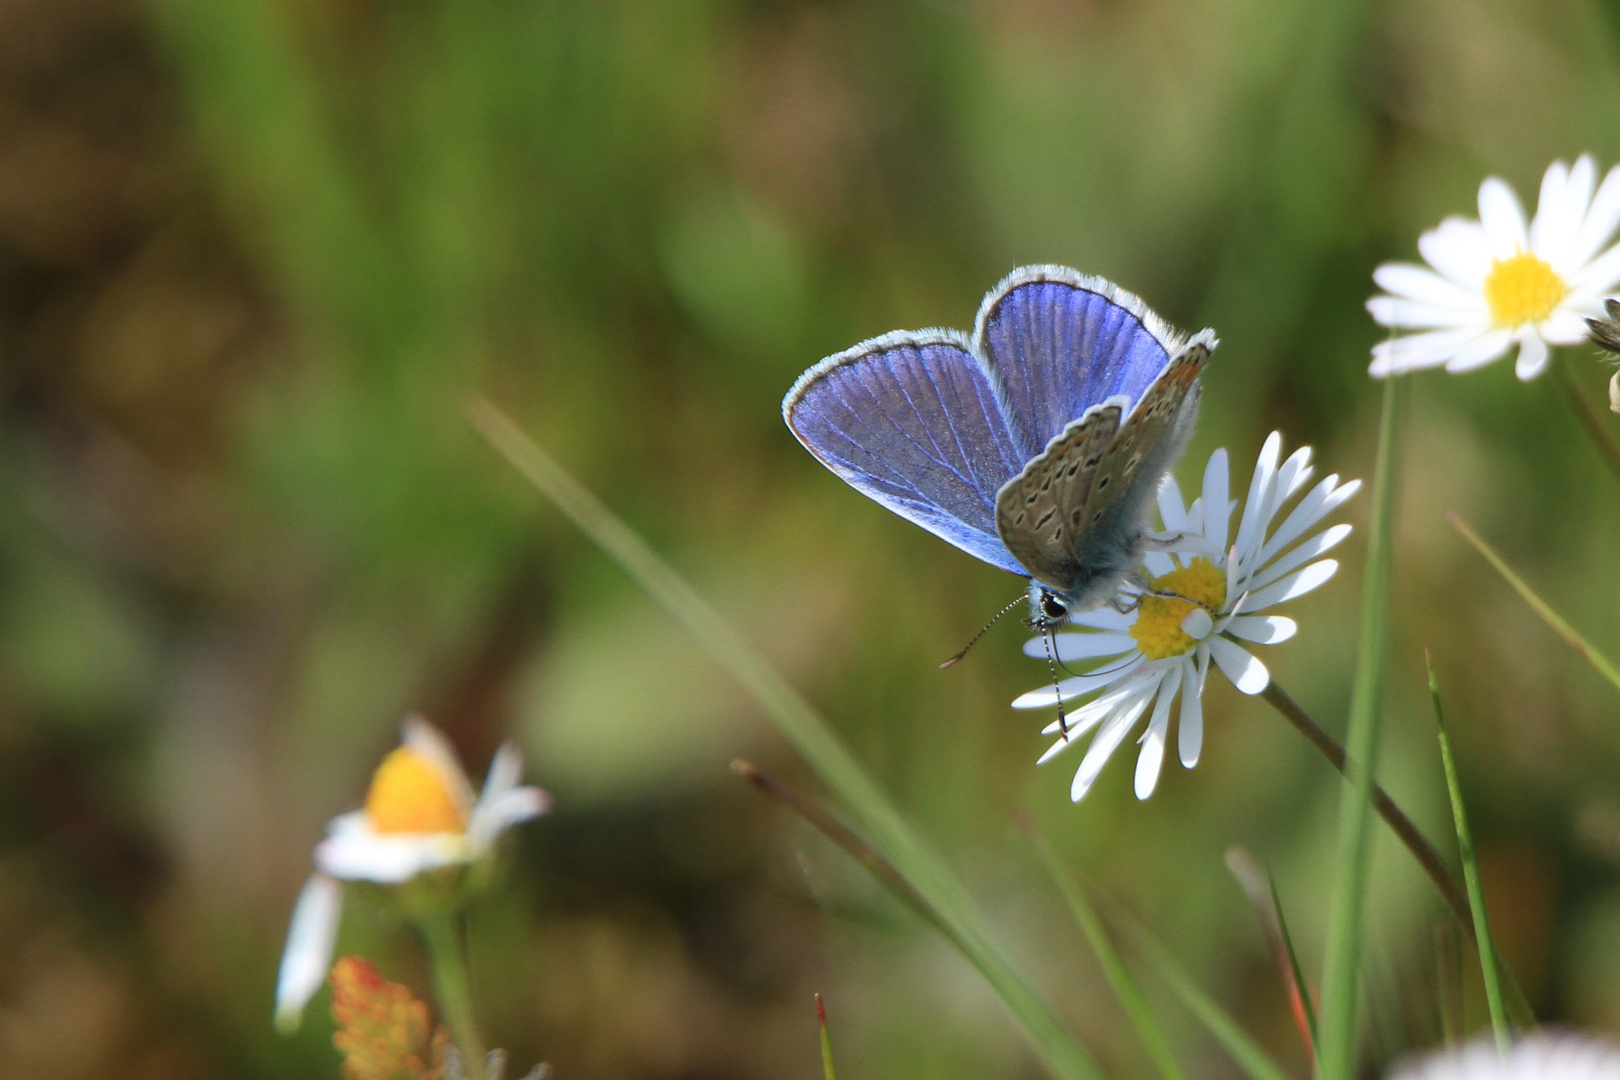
{"x": 1265, "y": 474}
{"x": 1103, "y": 618}
{"x": 1069, "y": 647}
{"x": 427, "y": 740}
{"x": 1102, "y": 748}
{"x": 1532, "y": 358}
{"x": 1323, "y": 499}
{"x": 1554, "y": 226}
{"x": 1239, "y": 665}
{"x": 308, "y": 953}
{"x": 1599, "y": 276}
{"x": 386, "y": 858}
{"x": 1564, "y": 327}
{"x": 1423, "y": 287}
{"x": 1047, "y": 696}
{"x": 1075, "y": 725}
{"x": 1172, "y": 508}
{"x": 1262, "y": 629}
{"x": 1460, "y": 250}
{"x": 1542, "y": 1054}
{"x": 1319, "y": 544}
{"x": 1503, "y": 218}
{"x": 1430, "y": 349}
{"x": 1404, "y": 314}
{"x": 1480, "y": 352}
{"x": 1290, "y": 476}
{"x": 1602, "y": 218}
{"x": 1293, "y": 586}
{"x": 1151, "y": 758}
{"x": 511, "y": 807}
{"x": 1190, "y": 726}
{"x": 1215, "y": 494}
{"x": 1158, "y": 563}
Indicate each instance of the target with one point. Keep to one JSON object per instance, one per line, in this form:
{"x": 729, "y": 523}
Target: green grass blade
{"x": 1119, "y": 977}
{"x": 1341, "y": 967}
{"x": 810, "y": 735}
{"x": 1488, "y": 964}
{"x": 827, "y": 1070}
{"x": 1248, "y": 1054}
{"x": 1261, "y": 890}
{"x": 1605, "y": 667}
{"x": 1303, "y": 988}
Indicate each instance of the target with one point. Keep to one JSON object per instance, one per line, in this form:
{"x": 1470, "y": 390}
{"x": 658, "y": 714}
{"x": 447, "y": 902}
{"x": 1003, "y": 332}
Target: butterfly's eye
{"x": 1053, "y": 608}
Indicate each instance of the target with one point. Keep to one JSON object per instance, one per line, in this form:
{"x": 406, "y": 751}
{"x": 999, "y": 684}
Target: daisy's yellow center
{"x": 409, "y": 796}
{"x": 1157, "y": 629}
{"x": 1522, "y": 289}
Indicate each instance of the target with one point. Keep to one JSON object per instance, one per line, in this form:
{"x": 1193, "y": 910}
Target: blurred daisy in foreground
{"x": 1164, "y": 645}
{"x": 1541, "y": 1055}
{"x": 1495, "y": 283}
{"x": 420, "y": 818}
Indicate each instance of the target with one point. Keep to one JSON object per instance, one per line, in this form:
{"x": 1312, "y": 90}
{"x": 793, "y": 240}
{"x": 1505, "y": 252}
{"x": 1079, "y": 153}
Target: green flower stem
{"x": 923, "y": 869}
{"x": 1341, "y": 969}
{"x": 452, "y": 989}
{"x": 1593, "y": 421}
{"x": 1603, "y": 665}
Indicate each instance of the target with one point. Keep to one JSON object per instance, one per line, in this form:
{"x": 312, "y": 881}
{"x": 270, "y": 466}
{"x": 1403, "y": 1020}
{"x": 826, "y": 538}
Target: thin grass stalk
{"x": 1261, "y": 890}
{"x": 1248, "y": 1054}
{"x": 1341, "y": 966}
{"x": 1600, "y": 663}
{"x": 1451, "y": 890}
{"x": 827, "y": 1070}
{"x": 1119, "y": 977}
{"x": 1488, "y": 963}
{"x": 809, "y": 734}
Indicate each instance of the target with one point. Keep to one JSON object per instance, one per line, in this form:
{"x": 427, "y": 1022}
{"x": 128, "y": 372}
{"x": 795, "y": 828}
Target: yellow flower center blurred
{"x": 408, "y": 795}
{"x": 1522, "y": 289}
{"x": 1157, "y": 629}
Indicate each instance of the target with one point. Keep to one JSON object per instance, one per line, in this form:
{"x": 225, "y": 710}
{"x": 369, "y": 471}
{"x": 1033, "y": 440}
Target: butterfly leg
{"x": 1051, "y": 666}
{"x": 1163, "y": 541}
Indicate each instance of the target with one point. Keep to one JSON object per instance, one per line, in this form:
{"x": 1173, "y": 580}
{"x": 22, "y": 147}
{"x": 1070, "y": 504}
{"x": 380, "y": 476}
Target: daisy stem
{"x": 1405, "y": 830}
{"x": 1399, "y": 823}
{"x": 452, "y": 988}
{"x": 1592, "y": 420}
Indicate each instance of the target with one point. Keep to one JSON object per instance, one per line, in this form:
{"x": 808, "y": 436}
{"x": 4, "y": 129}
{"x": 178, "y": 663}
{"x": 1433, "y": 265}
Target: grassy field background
{"x": 254, "y": 254}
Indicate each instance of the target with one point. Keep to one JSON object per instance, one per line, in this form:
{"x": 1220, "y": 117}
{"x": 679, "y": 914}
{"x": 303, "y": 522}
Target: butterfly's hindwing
{"x": 1040, "y": 512}
{"x": 1147, "y": 445}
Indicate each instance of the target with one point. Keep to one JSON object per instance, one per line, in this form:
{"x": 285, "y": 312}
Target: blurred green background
{"x": 255, "y": 253}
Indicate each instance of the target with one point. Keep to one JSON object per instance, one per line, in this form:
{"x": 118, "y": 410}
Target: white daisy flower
{"x": 1163, "y": 645}
{"x": 419, "y": 815}
{"x": 1496, "y": 282}
{"x": 1540, "y": 1055}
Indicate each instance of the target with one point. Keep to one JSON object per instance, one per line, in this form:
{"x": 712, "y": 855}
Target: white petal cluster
{"x": 1541, "y": 1055}
{"x": 1266, "y": 564}
{"x": 356, "y": 850}
{"x": 1497, "y": 282}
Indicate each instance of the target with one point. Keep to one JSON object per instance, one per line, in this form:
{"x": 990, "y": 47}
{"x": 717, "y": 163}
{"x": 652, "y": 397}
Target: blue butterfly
{"x": 1037, "y": 444}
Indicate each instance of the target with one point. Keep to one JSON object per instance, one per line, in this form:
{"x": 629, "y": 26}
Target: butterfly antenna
{"x": 1051, "y": 666}
{"x": 982, "y": 631}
